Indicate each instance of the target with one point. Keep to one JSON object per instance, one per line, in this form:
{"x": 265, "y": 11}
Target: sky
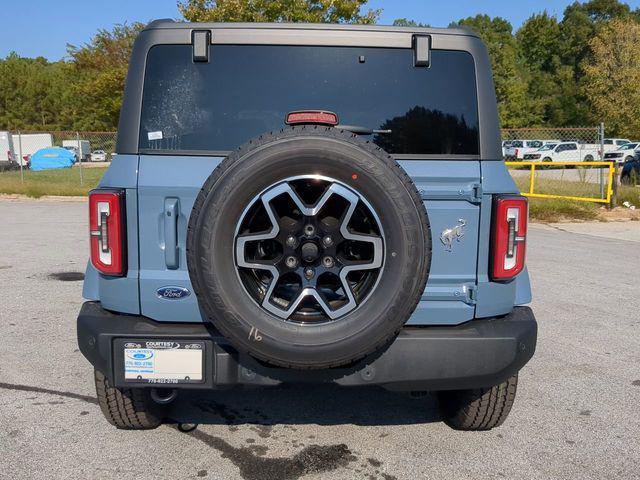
{"x": 44, "y": 27}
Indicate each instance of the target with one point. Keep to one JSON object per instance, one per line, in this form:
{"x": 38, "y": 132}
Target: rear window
{"x": 246, "y": 90}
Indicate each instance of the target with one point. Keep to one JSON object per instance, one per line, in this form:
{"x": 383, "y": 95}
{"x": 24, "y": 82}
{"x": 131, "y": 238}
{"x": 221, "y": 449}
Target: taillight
{"x": 312, "y": 117}
{"x": 107, "y": 231}
{"x": 517, "y": 152}
{"x": 509, "y": 233}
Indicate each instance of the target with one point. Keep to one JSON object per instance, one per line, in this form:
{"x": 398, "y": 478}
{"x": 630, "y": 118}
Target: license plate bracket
{"x": 162, "y": 361}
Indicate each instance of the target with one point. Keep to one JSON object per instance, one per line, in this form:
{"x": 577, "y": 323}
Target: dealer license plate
{"x": 163, "y": 361}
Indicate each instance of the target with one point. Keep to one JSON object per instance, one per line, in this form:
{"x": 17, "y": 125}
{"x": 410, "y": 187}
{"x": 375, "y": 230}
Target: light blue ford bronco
{"x": 307, "y": 203}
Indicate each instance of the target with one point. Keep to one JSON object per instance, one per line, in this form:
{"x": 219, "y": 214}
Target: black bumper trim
{"x": 479, "y": 353}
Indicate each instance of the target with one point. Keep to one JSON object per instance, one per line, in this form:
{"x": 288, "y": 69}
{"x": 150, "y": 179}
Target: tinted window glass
{"x": 246, "y": 90}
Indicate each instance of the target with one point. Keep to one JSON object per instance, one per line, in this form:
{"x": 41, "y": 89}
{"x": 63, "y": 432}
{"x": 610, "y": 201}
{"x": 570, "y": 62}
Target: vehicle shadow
{"x": 304, "y": 404}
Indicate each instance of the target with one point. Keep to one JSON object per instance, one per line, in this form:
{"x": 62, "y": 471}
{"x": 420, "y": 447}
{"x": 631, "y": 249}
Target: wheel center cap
{"x": 310, "y": 252}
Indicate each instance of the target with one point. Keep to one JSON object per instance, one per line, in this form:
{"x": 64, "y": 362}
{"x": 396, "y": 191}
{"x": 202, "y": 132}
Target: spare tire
{"x": 308, "y": 248}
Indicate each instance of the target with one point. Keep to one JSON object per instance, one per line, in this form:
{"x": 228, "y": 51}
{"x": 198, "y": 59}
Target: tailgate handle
{"x": 171, "y": 250}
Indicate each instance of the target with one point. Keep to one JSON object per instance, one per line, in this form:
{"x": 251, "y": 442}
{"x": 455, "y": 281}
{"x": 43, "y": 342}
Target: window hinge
{"x": 421, "y": 50}
{"x": 201, "y": 39}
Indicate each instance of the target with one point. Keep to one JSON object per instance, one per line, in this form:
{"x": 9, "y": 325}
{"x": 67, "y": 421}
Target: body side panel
{"x": 120, "y": 293}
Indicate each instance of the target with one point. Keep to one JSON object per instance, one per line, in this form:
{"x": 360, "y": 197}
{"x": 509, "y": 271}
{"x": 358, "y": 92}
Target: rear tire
{"x": 478, "y": 409}
{"x": 126, "y": 408}
{"x": 546, "y": 159}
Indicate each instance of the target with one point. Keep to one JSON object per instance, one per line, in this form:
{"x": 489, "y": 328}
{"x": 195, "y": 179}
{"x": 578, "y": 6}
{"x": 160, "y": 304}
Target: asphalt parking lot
{"x": 576, "y": 413}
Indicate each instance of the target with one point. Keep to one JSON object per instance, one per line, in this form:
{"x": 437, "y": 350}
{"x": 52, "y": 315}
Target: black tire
{"x": 546, "y": 159}
{"x": 126, "y": 408}
{"x": 478, "y": 409}
{"x": 301, "y": 151}
{"x": 588, "y": 158}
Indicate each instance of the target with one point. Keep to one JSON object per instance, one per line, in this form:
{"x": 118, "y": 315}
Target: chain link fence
{"x": 590, "y": 142}
{"x": 577, "y": 164}
{"x": 86, "y": 146}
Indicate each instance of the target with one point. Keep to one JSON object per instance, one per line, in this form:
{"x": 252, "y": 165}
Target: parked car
{"x": 565, "y": 152}
{"x": 613, "y": 143}
{"x": 99, "y": 156}
{"x": 505, "y": 145}
{"x": 623, "y": 153}
{"x": 517, "y": 149}
{"x": 630, "y": 174}
{"x": 540, "y": 153}
{"x": 308, "y": 254}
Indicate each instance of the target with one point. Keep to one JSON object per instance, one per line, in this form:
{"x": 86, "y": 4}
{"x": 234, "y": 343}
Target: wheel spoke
{"x": 286, "y": 308}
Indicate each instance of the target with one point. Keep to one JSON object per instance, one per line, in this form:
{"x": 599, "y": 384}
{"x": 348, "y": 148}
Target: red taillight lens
{"x": 312, "y": 117}
{"x": 509, "y": 234}
{"x": 517, "y": 152}
{"x": 107, "y": 231}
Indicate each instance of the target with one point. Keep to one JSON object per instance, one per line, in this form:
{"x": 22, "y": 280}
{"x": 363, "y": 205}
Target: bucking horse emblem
{"x": 450, "y": 234}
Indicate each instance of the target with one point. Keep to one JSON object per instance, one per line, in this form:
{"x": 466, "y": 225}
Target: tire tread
{"x": 125, "y": 408}
{"x": 479, "y": 409}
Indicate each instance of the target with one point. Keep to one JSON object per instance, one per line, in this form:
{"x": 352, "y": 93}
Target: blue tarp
{"x": 53, "y": 157}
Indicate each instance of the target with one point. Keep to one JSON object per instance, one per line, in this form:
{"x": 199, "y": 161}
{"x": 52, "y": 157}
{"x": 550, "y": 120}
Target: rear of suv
{"x": 307, "y": 203}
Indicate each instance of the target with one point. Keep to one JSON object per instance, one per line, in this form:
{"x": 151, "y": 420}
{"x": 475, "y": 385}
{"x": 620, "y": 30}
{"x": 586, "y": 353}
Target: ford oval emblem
{"x": 140, "y": 354}
{"x": 173, "y": 293}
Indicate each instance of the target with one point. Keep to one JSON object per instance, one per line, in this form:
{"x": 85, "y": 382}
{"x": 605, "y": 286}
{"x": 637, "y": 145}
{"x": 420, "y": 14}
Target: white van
{"x": 7, "y": 153}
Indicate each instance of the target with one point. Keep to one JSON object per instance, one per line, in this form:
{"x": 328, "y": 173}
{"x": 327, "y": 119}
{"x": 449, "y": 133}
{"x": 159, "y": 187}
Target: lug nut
{"x": 291, "y": 241}
{"x": 291, "y": 262}
{"x": 309, "y": 273}
{"x": 309, "y": 230}
{"x": 328, "y": 262}
{"x": 327, "y": 241}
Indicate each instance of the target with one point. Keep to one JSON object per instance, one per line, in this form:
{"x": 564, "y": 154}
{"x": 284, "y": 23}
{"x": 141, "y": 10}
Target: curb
{"x": 16, "y": 197}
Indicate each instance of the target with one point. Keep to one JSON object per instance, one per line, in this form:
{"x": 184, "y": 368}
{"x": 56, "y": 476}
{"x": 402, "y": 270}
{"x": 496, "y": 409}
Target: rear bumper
{"x": 479, "y": 353}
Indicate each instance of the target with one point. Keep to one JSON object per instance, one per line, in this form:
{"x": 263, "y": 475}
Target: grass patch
{"x": 556, "y": 210}
{"x": 629, "y": 193}
{"x": 63, "y": 182}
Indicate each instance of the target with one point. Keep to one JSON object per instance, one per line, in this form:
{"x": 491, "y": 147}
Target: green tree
{"x": 611, "y": 82}
{"x": 405, "y": 22}
{"x": 579, "y": 24}
{"x": 100, "y": 68}
{"x": 32, "y": 93}
{"x": 514, "y": 105}
{"x": 314, "y": 11}
{"x": 538, "y": 48}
